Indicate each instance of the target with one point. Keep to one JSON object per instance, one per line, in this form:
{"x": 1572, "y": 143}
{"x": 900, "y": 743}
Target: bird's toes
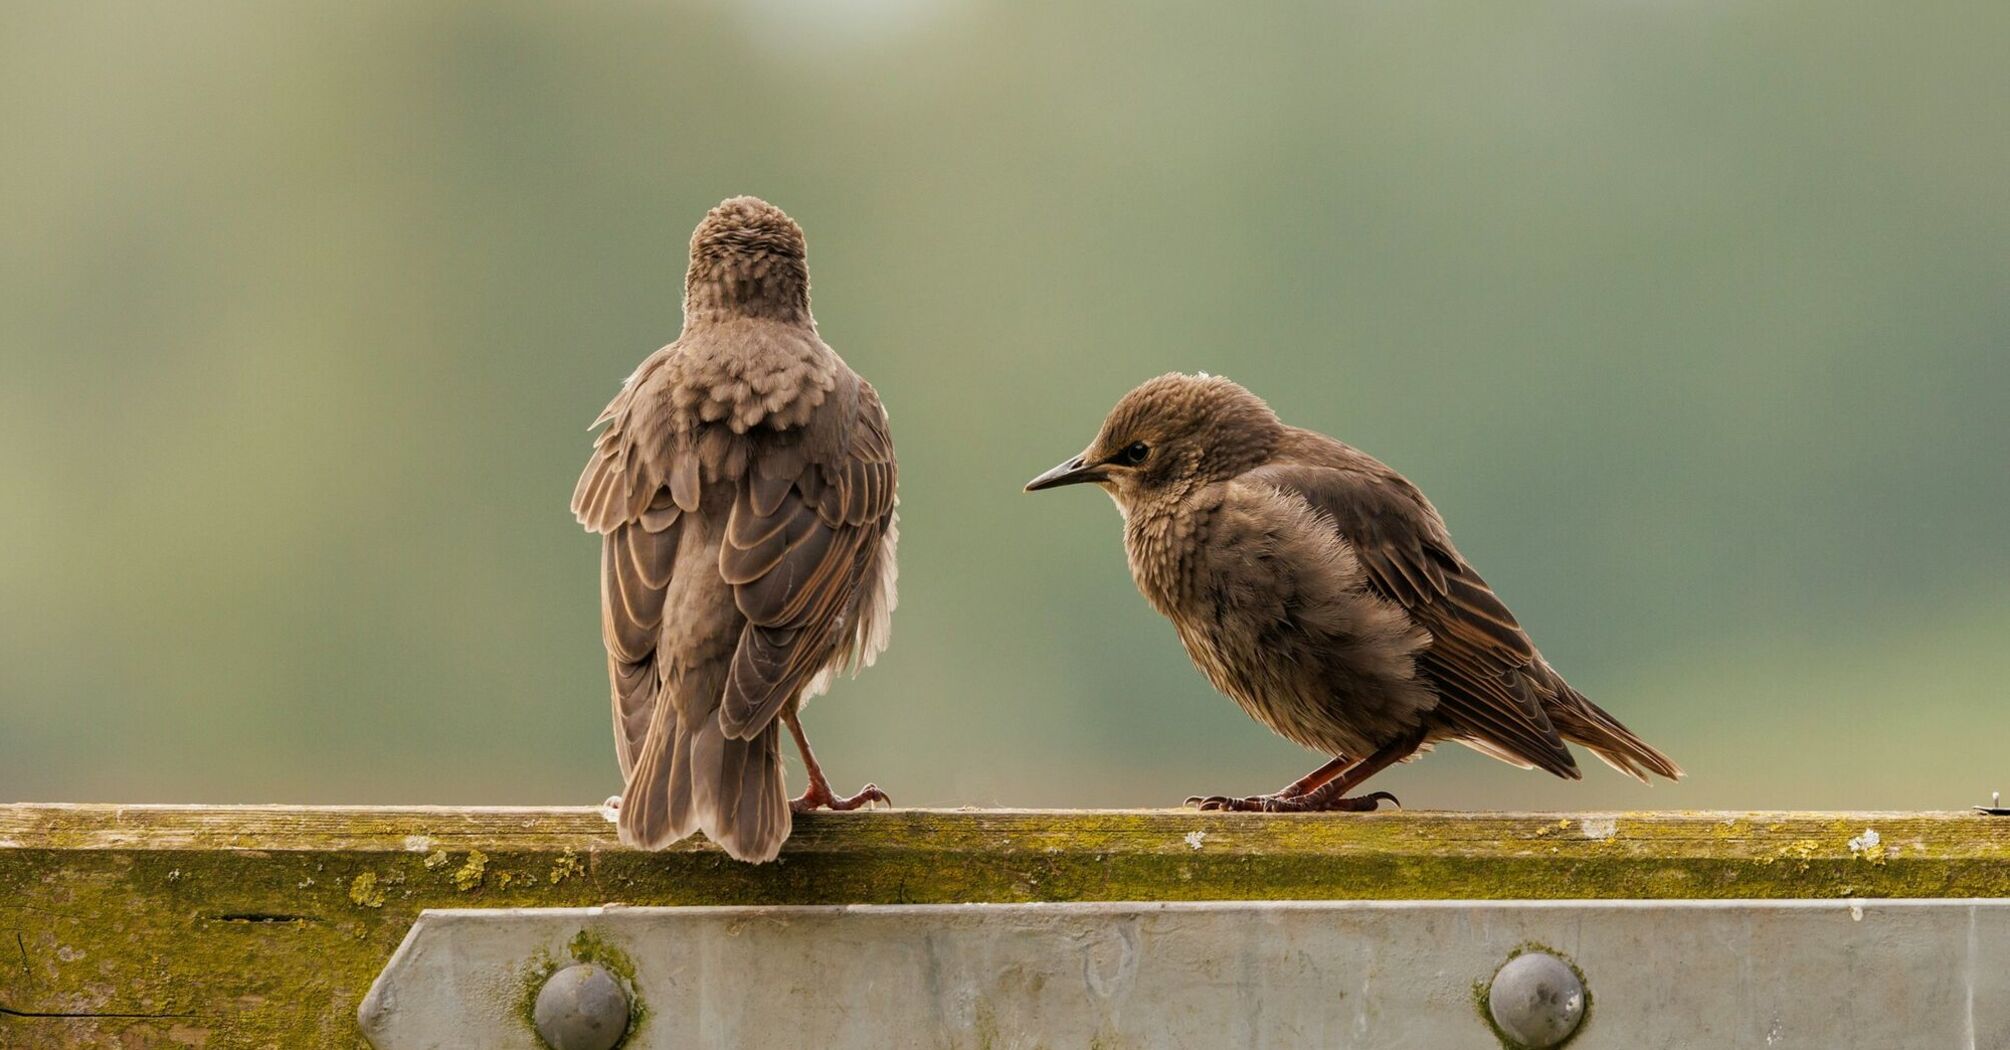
{"x": 866, "y": 797}
{"x": 1236, "y": 804}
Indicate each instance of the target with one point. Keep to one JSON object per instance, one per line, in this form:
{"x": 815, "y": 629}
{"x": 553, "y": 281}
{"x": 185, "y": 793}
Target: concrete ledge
{"x": 257, "y": 926}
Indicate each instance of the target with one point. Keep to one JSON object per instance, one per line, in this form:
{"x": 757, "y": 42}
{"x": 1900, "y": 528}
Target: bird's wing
{"x": 1480, "y": 660}
{"x": 622, "y": 494}
{"x": 803, "y": 545}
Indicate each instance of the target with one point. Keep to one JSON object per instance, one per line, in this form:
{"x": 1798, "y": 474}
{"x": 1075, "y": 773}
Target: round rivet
{"x": 1536, "y": 999}
{"x": 581, "y": 1008}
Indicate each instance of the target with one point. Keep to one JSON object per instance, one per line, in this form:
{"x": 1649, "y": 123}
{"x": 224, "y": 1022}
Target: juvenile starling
{"x": 1319, "y": 589}
{"x": 744, "y": 493}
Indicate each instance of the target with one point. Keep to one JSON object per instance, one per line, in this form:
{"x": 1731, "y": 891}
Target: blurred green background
{"x": 1693, "y": 318}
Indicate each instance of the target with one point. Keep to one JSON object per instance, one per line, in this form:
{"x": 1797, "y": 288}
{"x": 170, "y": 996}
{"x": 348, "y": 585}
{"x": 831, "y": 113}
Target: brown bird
{"x": 744, "y": 493}
{"x": 1319, "y": 589}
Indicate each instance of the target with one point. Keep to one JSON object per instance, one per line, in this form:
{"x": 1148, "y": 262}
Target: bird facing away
{"x": 1319, "y": 589}
{"x": 744, "y": 495}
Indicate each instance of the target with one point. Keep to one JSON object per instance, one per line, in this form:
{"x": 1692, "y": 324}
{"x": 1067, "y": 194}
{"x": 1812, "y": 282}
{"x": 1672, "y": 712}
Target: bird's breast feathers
{"x": 1271, "y": 604}
{"x": 1238, "y": 546}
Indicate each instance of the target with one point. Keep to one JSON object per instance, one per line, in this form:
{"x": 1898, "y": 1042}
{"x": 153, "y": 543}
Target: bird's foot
{"x": 1307, "y": 803}
{"x": 819, "y": 796}
{"x": 1232, "y": 804}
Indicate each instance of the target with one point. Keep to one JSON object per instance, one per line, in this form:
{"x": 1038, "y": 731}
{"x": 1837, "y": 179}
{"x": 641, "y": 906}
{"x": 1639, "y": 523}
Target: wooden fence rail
{"x": 264, "y": 926}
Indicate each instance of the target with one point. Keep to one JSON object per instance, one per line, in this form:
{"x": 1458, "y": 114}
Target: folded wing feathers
{"x": 800, "y": 549}
{"x": 1478, "y": 652}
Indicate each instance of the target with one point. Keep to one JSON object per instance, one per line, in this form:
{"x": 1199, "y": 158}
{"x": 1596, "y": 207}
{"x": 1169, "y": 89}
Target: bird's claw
{"x": 1367, "y": 803}
{"x": 1308, "y": 803}
{"x": 819, "y": 796}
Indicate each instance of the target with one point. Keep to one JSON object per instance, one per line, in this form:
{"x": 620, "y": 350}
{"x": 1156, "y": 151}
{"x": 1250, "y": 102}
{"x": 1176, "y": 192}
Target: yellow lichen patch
{"x": 566, "y": 866}
{"x": 1801, "y": 851}
{"x": 468, "y": 876}
{"x": 436, "y": 858}
{"x": 366, "y": 891}
{"x": 1547, "y": 830}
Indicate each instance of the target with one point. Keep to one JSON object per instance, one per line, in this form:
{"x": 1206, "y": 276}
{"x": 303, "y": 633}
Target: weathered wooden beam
{"x": 264, "y": 926}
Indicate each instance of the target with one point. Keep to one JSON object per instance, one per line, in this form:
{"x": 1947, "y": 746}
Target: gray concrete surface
{"x": 1777, "y": 975}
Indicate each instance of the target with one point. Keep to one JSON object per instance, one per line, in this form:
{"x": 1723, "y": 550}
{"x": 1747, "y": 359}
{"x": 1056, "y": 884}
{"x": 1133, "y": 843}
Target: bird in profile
{"x": 1319, "y": 589}
{"x": 744, "y": 495}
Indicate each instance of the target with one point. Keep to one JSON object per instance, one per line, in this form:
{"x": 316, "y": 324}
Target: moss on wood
{"x": 263, "y": 926}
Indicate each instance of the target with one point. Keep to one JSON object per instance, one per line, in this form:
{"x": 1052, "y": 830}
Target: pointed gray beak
{"x": 1070, "y": 473}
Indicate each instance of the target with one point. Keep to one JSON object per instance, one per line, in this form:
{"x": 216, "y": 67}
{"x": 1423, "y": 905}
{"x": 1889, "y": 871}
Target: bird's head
{"x": 748, "y": 258}
{"x": 1169, "y": 435}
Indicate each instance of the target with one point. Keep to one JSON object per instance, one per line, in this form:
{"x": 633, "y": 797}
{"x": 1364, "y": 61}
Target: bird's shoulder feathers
{"x": 685, "y": 415}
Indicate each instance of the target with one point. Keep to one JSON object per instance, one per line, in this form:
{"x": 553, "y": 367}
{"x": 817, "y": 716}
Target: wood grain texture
{"x": 263, "y": 926}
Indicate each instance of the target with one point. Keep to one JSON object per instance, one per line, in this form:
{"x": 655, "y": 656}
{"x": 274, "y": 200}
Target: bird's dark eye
{"x": 1134, "y": 453}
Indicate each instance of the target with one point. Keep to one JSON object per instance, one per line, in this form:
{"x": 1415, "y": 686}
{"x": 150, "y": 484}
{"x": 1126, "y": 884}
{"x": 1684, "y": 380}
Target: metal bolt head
{"x": 1536, "y": 999}
{"x": 581, "y": 1008}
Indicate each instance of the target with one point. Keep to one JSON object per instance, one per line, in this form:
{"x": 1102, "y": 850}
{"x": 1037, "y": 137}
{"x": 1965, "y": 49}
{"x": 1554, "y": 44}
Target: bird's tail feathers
{"x": 737, "y": 793}
{"x": 700, "y": 779}
{"x": 656, "y": 801}
{"x": 1580, "y": 721}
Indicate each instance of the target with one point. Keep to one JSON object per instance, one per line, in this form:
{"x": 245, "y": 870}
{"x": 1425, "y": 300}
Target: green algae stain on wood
{"x": 264, "y": 926}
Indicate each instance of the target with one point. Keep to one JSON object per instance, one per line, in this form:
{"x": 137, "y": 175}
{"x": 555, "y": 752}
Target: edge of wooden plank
{"x": 264, "y": 925}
